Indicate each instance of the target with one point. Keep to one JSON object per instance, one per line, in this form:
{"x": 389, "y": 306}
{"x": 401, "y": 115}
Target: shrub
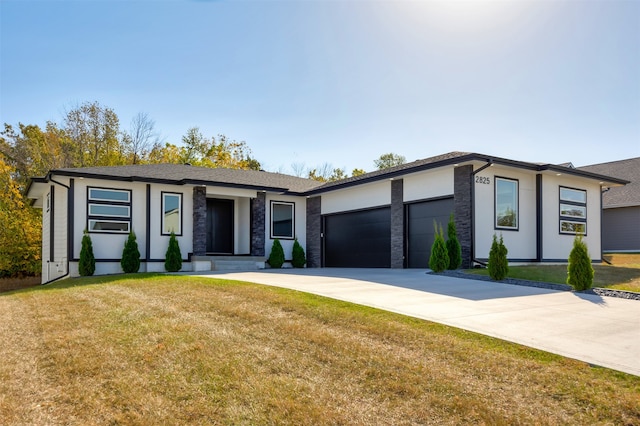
{"x": 130, "y": 261}
{"x": 173, "y": 257}
{"x": 498, "y": 264}
{"x": 453, "y": 245}
{"x": 580, "y": 271}
{"x": 439, "y": 260}
{"x": 87, "y": 263}
{"x": 276, "y": 257}
{"x": 298, "y": 259}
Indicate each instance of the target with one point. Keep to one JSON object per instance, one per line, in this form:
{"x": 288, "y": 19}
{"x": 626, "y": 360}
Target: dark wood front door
{"x": 219, "y": 226}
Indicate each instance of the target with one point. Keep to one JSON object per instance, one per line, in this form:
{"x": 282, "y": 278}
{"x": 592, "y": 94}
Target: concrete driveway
{"x": 603, "y": 331}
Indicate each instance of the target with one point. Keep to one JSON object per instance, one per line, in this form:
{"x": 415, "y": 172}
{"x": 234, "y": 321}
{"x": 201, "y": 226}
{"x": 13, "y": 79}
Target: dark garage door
{"x": 420, "y": 217}
{"x": 358, "y": 239}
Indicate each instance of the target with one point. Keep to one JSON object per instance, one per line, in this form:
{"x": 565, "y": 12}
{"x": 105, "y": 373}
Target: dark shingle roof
{"x": 185, "y": 174}
{"x": 621, "y": 196}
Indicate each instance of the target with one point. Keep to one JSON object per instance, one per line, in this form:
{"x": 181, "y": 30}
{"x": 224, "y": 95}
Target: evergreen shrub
{"x": 453, "y": 245}
{"x": 130, "y": 261}
{"x": 580, "y": 271}
{"x": 439, "y": 259}
{"x": 298, "y": 259}
{"x": 276, "y": 257}
{"x": 498, "y": 264}
{"x": 173, "y": 257}
{"x": 87, "y": 263}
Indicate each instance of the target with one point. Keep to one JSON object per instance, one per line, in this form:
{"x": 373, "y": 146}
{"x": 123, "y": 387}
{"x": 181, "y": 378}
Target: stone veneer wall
{"x": 258, "y": 208}
{"x": 199, "y": 220}
{"x": 463, "y": 198}
{"x": 397, "y": 223}
{"x": 314, "y": 232}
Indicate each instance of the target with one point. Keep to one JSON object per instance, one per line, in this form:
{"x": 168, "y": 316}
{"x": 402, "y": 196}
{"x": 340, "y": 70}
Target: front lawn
{"x": 159, "y": 349}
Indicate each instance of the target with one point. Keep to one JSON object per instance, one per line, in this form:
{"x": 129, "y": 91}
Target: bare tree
{"x": 299, "y": 169}
{"x": 141, "y": 137}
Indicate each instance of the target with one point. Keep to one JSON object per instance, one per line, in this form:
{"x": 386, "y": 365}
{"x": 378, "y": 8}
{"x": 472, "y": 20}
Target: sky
{"x": 339, "y": 82}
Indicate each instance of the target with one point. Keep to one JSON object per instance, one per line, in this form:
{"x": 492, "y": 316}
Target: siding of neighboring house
{"x": 619, "y": 234}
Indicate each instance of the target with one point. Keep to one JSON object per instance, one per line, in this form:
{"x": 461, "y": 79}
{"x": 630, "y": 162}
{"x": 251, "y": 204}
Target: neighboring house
{"x": 379, "y": 219}
{"x": 621, "y": 206}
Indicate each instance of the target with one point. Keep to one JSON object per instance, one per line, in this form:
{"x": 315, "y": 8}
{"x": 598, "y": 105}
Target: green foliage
{"x": 130, "y": 261}
{"x": 87, "y": 263}
{"x": 580, "y": 270}
{"x": 389, "y": 160}
{"x": 298, "y": 259}
{"x": 453, "y": 245}
{"x": 439, "y": 259}
{"x": 173, "y": 257}
{"x": 276, "y": 257}
{"x": 498, "y": 264}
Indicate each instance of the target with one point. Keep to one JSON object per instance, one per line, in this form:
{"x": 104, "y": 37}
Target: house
{"x": 620, "y": 206}
{"x": 380, "y": 219}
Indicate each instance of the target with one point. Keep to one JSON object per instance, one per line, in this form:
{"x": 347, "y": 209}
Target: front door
{"x": 219, "y": 226}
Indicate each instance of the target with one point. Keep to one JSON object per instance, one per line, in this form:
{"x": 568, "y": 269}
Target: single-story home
{"x": 621, "y": 206}
{"x": 385, "y": 218}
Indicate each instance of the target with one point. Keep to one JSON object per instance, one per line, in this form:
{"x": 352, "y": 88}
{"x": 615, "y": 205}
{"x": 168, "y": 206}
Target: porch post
{"x": 258, "y": 206}
{"x": 199, "y": 220}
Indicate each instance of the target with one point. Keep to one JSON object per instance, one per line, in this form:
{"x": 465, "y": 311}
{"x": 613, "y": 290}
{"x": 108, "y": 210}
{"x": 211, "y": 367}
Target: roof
{"x": 623, "y": 196}
{"x": 181, "y": 174}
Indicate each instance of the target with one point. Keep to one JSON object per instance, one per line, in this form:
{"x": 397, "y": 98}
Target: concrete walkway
{"x": 603, "y": 331}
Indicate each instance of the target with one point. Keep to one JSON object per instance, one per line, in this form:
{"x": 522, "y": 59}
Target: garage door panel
{"x": 358, "y": 239}
{"x": 420, "y": 229}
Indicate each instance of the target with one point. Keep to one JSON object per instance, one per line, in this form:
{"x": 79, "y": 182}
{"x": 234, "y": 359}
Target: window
{"x": 171, "y": 213}
{"x": 573, "y": 211}
{"x": 108, "y": 210}
{"x": 282, "y": 220}
{"x": 506, "y": 209}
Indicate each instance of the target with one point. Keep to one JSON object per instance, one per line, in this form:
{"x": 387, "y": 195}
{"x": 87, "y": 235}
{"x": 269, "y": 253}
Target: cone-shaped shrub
{"x": 453, "y": 245}
{"x": 298, "y": 259}
{"x": 580, "y": 271}
{"x": 276, "y": 257}
{"x": 173, "y": 257}
{"x": 130, "y": 261}
{"x": 498, "y": 264}
{"x": 439, "y": 260}
{"x": 87, "y": 263}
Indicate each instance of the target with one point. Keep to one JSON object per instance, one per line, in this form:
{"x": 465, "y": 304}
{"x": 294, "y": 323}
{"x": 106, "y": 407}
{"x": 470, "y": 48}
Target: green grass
{"x": 158, "y": 349}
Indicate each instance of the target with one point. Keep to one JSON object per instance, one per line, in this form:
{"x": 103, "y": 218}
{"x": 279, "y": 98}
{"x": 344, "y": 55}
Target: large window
{"x": 573, "y": 211}
{"x": 282, "y": 220}
{"x": 171, "y": 213}
{"x": 506, "y": 208}
{"x": 108, "y": 210}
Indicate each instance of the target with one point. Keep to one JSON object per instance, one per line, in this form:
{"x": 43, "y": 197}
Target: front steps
{"x": 227, "y": 263}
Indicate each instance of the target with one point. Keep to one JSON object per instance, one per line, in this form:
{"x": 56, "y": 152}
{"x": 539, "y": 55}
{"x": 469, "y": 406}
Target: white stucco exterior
{"x": 428, "y": 184}
{"x": 360, "y": 197}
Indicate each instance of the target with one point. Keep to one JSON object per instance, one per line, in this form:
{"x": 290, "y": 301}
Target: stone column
{"x": 463, "y": 211}
{"x": 314, "y": 232}
{"x": 397, "y": 224}
{"x": 199, "y": 220}
{"x": 258, "y": 208}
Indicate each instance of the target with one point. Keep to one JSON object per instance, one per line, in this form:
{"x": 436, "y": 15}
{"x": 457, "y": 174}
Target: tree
{"x": 173, "y": 257}
{"x": 498, "y": 263}
{"x": 389, "y": 160}
{"x": 87, "y": 263}
{"x": 439, "y": 259}
{"x": 276, "y": 257}
{"x": 298, "y": 258}
{"x": 141, "y": 138}
{"x": 580, "y": 271}
{"x": 357, "y": 172}
{"x": 453, "y": 245}
{"x": 130, "y": 261}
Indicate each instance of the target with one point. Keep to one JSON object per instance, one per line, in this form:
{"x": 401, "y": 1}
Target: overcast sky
{"x": 340, "y": 82}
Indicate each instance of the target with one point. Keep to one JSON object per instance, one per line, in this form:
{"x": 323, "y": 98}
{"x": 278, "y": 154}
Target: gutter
{"x": 67, "y": 273}
{"x": 473, "y": 212}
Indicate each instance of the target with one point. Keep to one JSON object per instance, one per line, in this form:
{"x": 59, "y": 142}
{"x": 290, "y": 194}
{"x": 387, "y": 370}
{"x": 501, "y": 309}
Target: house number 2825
{"x": 483, "y": 179}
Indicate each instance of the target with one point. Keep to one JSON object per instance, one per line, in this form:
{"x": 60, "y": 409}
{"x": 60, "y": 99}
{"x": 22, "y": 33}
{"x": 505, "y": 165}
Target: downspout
{"x": 473, "y": 213}
{"x": 67, "y": 273}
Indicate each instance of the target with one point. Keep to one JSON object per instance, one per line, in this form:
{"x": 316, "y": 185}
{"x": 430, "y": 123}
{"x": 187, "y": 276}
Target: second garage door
{"x": 359, "y": 239}
{"x": 420, "y": 231}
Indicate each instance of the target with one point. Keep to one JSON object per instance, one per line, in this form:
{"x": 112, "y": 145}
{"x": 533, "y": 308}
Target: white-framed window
{"x": 573, "y": 211}
{"x": 506, "y": 203}
{"x": 108, "y": 210}
{"x": 282, "y": 220}
{"x": 171, "y": 213}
